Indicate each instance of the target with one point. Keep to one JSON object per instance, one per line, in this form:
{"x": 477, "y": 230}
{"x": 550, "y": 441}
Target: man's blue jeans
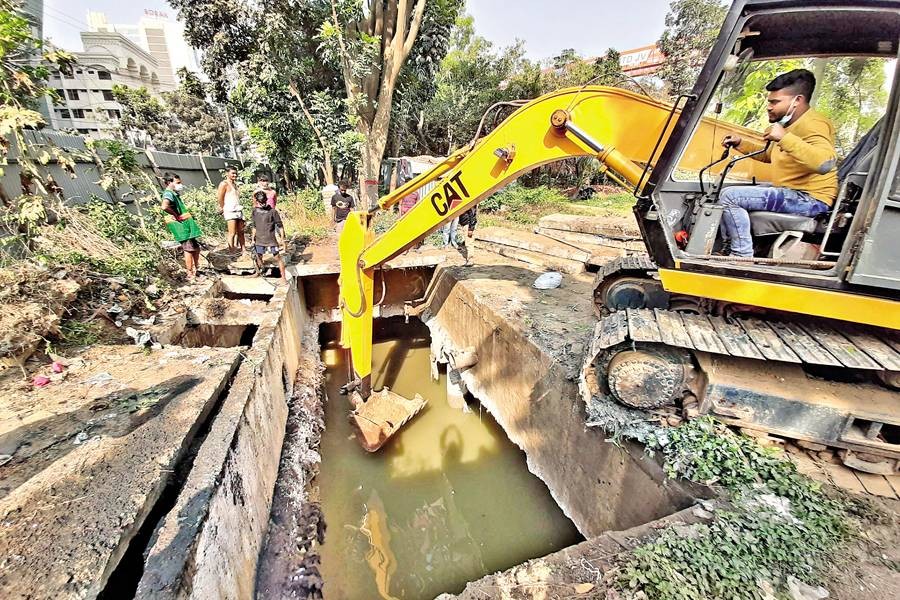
{"x": 739, "y": 199}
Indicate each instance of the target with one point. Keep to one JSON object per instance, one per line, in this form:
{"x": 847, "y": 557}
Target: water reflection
{"x": 447, "y": 501}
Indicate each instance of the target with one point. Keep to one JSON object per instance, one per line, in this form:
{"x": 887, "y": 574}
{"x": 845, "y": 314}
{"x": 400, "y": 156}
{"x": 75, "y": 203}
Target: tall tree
{"x": 263, "y": 58}
{"x": 473, "y": 76}
{"x": 371, "y": 41}
{"x": 417, "y": 83}
{"x": 691, "y": 30}
{"x": 143, "y": 115}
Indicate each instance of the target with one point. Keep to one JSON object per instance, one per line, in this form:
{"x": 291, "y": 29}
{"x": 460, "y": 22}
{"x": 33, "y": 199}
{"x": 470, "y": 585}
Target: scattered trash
{"x": 101, "y": 378}
{"x": 144, "y": 322}
{"x": 57, "y": 367}
{"x": 40, "y": 381}
{"x": 140, "y": 337}
{"x": 81, "y": 438}
{"x": 548, "y": 281}
{"x": 114, "y": 309}
{"x": 152, "y": 290}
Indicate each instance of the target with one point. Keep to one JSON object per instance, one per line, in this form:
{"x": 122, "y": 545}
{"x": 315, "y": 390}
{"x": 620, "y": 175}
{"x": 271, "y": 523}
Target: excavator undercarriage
{"x": 820, "y": 382}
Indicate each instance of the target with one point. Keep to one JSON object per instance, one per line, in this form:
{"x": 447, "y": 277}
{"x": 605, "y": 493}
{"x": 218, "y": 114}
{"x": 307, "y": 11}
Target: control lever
{"x": 733, "y": 162}
{"x": 712, "y": 164}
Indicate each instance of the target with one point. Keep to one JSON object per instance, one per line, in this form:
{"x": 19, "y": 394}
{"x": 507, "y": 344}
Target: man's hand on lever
{"x": 775, "y": 133}
{"x": 732, "y": 141}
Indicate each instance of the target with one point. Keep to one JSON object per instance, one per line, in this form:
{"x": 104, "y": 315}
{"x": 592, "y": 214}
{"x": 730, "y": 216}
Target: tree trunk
{"x": 373, "y": 149}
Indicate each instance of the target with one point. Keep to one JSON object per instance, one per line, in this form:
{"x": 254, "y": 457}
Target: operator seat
{"x": 793, "y": 228}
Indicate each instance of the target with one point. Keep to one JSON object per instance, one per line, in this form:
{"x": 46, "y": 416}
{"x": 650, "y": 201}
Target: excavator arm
{"x": 617, "y": 127}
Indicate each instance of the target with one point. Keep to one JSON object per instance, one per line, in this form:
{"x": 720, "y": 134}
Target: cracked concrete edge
{"x": 226, "y": 498}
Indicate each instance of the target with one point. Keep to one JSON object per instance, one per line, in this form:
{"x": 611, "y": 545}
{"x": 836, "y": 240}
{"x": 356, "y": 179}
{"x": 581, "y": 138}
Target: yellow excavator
{"x": 801, "y": 340}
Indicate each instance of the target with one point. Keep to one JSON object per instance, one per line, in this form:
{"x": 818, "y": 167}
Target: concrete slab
{"x": 533, "y": 242}
{"x": 543, "y": 261}
{"x": 91, "y": 455}
{"x": 220, "y": 311}
{"x": 592, "y": 242}
{"x": 611, "y": 225}
{"x": 254, "y": 286}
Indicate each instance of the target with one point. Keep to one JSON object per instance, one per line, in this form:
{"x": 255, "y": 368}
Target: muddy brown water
{"x": 449, "y": 500}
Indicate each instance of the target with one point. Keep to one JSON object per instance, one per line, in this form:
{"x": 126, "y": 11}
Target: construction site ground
{"x": 85, "y": 457}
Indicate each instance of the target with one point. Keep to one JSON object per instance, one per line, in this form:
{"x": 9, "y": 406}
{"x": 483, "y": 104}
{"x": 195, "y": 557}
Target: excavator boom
{"x": 617, "y": 127}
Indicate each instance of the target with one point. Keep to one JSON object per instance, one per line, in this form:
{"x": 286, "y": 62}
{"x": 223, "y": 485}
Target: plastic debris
{"x": 81, "y": 438}
{"x": 144, "y": 322}
{"x": 140, "y": 337}
{"x": 152, "y": 290}
{"x": 114, "y": 309}
{"x": 40, "y": 381}
{"x": 548, "y": 281}
{"x": 57, "y": 367}
{"x": 101, "y": 378}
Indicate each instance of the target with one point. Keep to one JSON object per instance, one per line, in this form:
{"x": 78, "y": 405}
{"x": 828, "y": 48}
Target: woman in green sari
{"x": 180, "y": 223}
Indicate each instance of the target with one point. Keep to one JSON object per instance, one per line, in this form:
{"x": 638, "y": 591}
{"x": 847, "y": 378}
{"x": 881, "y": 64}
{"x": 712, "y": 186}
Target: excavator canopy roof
{"x": 820, "y": 28}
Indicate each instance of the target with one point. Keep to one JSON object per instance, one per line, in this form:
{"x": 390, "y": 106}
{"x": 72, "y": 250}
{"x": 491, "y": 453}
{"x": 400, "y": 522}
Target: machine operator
{"x": 802, "y": 155}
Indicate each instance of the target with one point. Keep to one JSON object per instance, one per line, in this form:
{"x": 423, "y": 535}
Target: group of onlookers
{"x": 268, "y": 229}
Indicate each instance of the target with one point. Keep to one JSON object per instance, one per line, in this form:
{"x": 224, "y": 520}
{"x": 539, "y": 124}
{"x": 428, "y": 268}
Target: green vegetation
{"x": 74, "y": 333}
{"x": 518, "y": 206}
{"x": 780, "y": 524}
{"x": 304, "y": 214}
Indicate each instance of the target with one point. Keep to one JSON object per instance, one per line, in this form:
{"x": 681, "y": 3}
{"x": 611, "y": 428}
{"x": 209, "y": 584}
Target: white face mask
{"x": 179, "y": 187}
{"x": 790, "y": 113}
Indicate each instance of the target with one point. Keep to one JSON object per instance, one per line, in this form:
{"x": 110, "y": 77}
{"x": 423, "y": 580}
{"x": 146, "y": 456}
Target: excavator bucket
{"x": 375, "y": 420}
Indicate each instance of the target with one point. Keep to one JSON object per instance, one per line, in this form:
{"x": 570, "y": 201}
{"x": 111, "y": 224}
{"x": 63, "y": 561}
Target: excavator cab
{"x": 800, "y": 340}
{"x": 853, "y": 247}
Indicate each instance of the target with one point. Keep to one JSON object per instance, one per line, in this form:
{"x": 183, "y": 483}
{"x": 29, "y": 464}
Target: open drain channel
{"x": 456, "y": 495}
{"x": 448, "y": 500}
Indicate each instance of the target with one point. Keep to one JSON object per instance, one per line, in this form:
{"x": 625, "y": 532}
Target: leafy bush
{"x": 515, "y": 197}
{"x": 304, "y": 214}
{"x": 782, "y": 524}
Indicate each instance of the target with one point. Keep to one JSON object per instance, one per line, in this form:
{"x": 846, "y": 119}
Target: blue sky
{"x": 546, "y": 26}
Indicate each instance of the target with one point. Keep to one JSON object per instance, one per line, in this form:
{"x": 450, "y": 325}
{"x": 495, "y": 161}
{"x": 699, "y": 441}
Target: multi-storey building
{"x": 158, "y": 35}
{"x": 86, "y": 103}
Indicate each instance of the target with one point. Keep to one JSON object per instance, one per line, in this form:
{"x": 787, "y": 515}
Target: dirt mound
{"x": 32, "y": 301}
